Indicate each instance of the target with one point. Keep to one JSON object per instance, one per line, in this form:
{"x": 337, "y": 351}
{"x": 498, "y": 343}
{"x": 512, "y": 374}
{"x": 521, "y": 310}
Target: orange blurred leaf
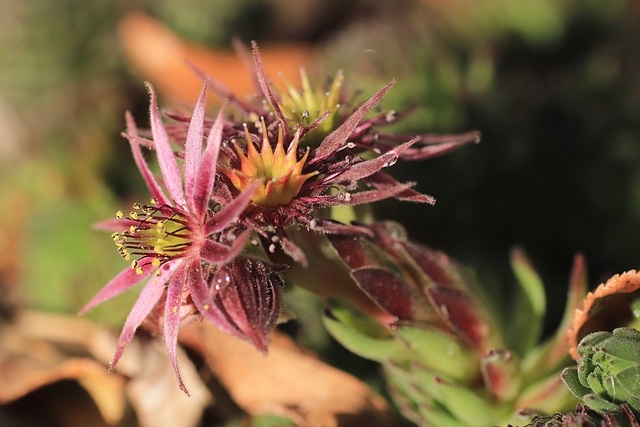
{"x": 162, "y": 57}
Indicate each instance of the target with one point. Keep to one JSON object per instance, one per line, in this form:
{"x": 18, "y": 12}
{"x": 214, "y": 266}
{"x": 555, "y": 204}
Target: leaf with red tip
{"x": 462, "y": 314}
{"x": 166, "y": 158}
{"x": 389, "y": 291}
{"x": 436, "y": 265}
{"x": 502, "y": 373}
{"x": 356, "y": 251}
{"x": 193, "y": 147}
{"x": 339, "y": 136}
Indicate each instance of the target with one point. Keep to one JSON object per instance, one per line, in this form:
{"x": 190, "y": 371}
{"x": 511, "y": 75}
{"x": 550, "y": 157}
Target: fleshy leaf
{"x": 529, "y": 307}
{"x": 502, "y": 374}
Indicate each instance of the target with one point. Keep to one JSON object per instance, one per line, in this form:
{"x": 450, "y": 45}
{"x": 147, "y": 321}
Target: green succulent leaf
{"x": 352, "y": 334}
{"x": 440, "y": 352}
{"x": 530, "y": 305}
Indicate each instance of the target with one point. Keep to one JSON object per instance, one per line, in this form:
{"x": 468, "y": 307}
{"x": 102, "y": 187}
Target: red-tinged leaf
{"x": 339, "y": 137}
{"x": 217, "y": 253}
{"x": 460, "y": 312}
{"x": 369, "y": 167}
{"x": 502, "y": 373}
{"x": 389, "y": 291}
{"x": 355, "y": 251}
{"x": 439, "y": 145}
{"x": 435, "y": 264}
{"x": 266, "y": 88}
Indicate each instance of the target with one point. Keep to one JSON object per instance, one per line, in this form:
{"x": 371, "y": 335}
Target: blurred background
{"x": 553, "y": 85}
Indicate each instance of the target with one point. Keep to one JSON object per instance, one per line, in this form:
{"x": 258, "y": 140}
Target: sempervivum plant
{"x": 449, "y": 358}
{"x": 608, "y": 371}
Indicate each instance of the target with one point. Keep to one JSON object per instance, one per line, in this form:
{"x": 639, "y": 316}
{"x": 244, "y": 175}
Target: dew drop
{"x": 347, "y": 197}
{"x": 351, "y": 145}
{"x": 230, "y": 236}
{"x": 275, "y": 239}
{"x": 272, "y": 248}
{"x": 391, "y": 162}
{"x": 313, "y": 224}
{"x": 341, "y": 196}
{"x": 254, "y": 242}
{"x": 222, "y": 282}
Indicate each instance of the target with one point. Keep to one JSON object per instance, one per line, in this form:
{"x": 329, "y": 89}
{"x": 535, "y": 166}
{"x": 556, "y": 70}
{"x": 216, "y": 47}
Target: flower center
{"x": 280, "y": 172}
{"x": 162, "y": 233}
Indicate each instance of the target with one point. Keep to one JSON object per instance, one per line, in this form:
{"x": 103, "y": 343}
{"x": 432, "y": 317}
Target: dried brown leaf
{"x": 287, "y": 382}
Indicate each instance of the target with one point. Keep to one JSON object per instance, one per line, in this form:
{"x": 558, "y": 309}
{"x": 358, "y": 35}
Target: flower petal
{"x": 148, "y": 298}
{"x": 193, "y": 146}
{"x": 166, "y": 158}
{"x": 205, "y": 180}
{"x": 231, "y": 211}
{"x": 172, "y": 319}
{"x": 152, "y": 185}
{"x": 217, "y": 253}
{"x": 123, "y": 281}
{"x": 339, "y": 136}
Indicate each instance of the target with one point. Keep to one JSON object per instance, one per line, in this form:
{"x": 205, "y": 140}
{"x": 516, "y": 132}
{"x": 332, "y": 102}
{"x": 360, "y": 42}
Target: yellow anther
{"x": 134, "y": 264}
{"x": 154, "y": 201}
{"x": 139, "y": 271}
{"x": 136, "y": 205}
{"x": 133, "y": 215}
{"x": 155, "y": 262}
{"x": 132, "y": 229}
{"x": 119, "y": 214}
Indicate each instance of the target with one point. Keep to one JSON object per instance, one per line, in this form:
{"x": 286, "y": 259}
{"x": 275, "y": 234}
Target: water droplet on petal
{"x": 222, "y": 281}
{"x": 351, "y": 145}
{"x": 391, "y": 162}
{"x": 272, "y": 248}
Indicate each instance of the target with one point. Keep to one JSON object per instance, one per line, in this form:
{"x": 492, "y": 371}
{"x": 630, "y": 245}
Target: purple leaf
{"x": 458, "y": 310}
{"x": 382, "y": 181}
{"x": 369, "y": 167}
{"x": 387, "y": 290}
{"x": 339, "y": 136}
{"x": 266, "y": 88}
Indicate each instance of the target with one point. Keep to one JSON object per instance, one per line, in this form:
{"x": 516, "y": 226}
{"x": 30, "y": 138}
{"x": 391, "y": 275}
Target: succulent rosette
{"x": 449, "y": 358}
{"x": 608, "y": 370}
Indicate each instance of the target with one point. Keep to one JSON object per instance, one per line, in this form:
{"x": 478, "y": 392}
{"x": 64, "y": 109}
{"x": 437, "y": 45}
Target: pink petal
{"x": 123, "y": 281}
{"x": 172, "y": 319}
{"x": 193, "y": 146}
{"x": 153, "y": 186}
{"x": 217, "y": 253}
{"x": 225, "y": 216}
{"x": 148, "y": 298}
{"x": 166, "y": 158}
{"x": 339, "y": 136}
{"x": 205, "y": 180}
